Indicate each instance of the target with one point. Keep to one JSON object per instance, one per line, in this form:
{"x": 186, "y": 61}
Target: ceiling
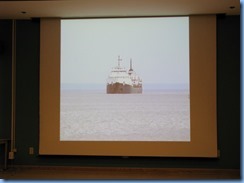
{"x": 114, "y": 8}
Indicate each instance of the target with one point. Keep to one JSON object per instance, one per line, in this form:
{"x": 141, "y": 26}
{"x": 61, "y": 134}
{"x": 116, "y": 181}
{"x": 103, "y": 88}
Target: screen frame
{"x": 203, "y": 112}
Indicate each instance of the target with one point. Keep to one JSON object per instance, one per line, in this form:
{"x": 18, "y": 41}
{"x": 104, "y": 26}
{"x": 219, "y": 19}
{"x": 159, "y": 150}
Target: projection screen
{"x": 200, "y": 139}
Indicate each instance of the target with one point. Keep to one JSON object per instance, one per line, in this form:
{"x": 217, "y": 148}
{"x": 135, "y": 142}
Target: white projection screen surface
{"x": 128, "y": 87}
{"x": 121, "y": 79}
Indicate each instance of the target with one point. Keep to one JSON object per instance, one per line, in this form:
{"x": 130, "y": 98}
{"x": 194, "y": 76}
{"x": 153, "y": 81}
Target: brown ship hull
{"x": 118, "y": 88}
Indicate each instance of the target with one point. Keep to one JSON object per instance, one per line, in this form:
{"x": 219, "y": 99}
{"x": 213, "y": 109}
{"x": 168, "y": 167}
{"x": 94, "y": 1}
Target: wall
{"x": 5, "y": 81}
{"x": 228, "y": 90}
{"x": 5, "y": 75}
{"x": 27, "y": 112}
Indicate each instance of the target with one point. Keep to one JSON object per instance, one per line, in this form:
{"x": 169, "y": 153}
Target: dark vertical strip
{"x": 228, "y": 90}
{"x": 5, "y": 81}
{"x": 5, "y": 77}
{"x": 13, "y": 97}
{"x": 27, "y": 89}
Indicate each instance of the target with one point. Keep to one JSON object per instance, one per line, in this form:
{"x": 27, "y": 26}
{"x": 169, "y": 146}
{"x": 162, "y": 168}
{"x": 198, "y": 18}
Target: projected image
{"x": 125, "y": 80}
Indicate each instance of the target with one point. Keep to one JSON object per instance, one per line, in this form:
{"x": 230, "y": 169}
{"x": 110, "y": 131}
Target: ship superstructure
{"x": 122, "y": 81}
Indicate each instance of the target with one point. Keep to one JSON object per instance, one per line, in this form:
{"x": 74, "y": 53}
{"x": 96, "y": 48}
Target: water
{"x": 151, "y": 116}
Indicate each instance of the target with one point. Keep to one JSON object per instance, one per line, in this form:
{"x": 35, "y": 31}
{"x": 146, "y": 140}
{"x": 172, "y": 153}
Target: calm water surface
{"x": 151, "y": 116}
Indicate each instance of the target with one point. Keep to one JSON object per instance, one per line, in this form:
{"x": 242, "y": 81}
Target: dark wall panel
{"x": 27, "y": 89}
{"x": 228, "y": 90}
{"x": 27, "y": 119}
{"x": 5, "y": 82}
{"x": 5, "y": 77}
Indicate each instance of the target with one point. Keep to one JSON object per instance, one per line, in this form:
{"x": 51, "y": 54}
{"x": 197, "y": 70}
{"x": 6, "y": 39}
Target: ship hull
{"x": 123, "y": 89}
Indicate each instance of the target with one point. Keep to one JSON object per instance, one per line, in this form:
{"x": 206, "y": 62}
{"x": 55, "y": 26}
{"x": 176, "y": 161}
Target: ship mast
{"x": 131, "y": 65}
{"x": 119, "y": 60}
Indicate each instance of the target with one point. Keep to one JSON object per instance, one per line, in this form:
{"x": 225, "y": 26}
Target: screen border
{"x": 203, "y": 112}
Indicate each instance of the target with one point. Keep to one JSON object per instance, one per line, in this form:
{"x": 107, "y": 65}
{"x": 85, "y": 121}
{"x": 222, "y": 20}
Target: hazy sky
{"x": 159, "y": 48}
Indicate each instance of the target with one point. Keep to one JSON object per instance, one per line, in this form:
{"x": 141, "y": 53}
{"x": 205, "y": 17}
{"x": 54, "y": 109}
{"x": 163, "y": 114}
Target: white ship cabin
{"x": 119, "y": 74}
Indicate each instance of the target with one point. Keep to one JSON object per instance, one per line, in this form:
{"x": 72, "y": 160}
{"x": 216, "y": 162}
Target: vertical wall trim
{"x": 13, "y": 97}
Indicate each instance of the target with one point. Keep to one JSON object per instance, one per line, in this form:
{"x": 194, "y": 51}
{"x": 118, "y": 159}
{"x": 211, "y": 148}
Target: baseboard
{"x": 68, "y": 173}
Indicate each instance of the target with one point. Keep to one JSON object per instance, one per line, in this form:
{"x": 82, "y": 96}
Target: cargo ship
{"x": 121, "y": 81}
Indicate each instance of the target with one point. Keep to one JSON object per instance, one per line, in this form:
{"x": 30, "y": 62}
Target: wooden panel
{"x": 30, "y": 172}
